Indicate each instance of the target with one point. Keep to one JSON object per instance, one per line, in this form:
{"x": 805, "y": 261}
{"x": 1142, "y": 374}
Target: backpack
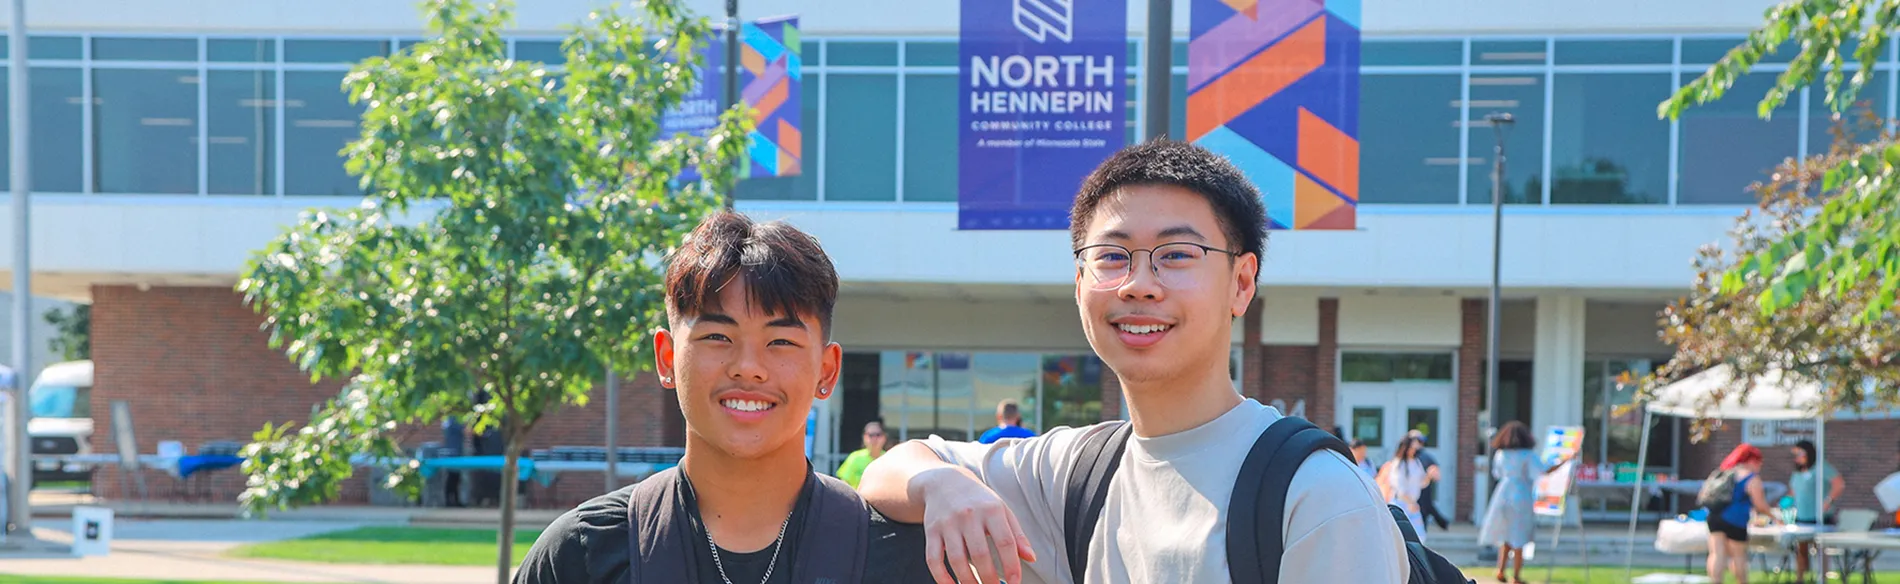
{"x": 1718, "y": 491}
{"x": 662, "y": 544}
{"x": 1253, "y": 552}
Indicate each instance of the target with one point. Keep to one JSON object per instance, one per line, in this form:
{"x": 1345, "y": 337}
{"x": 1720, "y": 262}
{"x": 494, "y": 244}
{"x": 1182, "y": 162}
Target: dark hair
{"x": 1356, "y": 443}
{"x": 1236, "y": 203}
{"x": 785, "y": 271}
{"x": 1513, "y": 436}
{"x": 880, "y": 425}
{"x": 1808, "y": 449}
{"x": 1402, "y": 453}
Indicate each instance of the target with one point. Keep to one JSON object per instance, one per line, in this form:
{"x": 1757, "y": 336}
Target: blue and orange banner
{"x": 769, "y": 81}
{"x": 1274, "y": 86}
{"x": 1040, "y": 104}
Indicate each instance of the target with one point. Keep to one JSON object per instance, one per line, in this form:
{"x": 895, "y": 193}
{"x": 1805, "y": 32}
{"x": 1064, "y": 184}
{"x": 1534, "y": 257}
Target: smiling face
{"x": 746, "y": 377}
{"x": 1171, "y": 317}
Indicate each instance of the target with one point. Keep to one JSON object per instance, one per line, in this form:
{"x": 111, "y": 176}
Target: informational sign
{"x": 1274, "y": 86}
{"x": 1040, "y": 104}
{"x": 1777, "y": 432}
{"x": 1561, "y": 443}
{"x": 769, "y": 82}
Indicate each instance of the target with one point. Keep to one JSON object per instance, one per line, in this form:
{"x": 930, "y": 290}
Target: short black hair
{"x": 785, "y": 271}
{"x": 1236, "y": 203}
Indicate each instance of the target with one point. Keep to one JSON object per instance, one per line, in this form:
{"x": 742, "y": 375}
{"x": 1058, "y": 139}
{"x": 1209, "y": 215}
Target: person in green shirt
{"x": 853, "y": 467}
{"x": 1806, "y": 509}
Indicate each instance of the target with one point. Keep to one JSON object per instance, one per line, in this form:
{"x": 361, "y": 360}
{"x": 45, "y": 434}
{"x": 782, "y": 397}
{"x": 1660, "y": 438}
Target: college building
{"x": 171, "y": 138}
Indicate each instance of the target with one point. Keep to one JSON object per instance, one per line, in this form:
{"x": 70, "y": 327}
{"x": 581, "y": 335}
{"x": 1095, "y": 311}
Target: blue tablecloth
{"x": 524, "y": 467}
{"x": 191, "y": 464}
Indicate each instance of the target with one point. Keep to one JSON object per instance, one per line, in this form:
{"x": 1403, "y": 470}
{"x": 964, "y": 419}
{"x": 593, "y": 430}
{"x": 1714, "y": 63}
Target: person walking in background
{"x": 1509, "y": 521}
{"x": 1359, "y": 457}
{"x": 1404, "y": 478}
{"x": 1801, "y": 484}
{"x": 1009, "y": 424}
{"x": 453, "y": 435}
{"x": 1428, "y": 498}
{"x": 853, "y": 468}
{"x": 1728, "y": 519}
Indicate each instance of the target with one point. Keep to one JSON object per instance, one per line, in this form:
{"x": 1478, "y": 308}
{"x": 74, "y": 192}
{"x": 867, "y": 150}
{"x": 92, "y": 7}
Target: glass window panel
{"x": 930, "y": 138}
{"x": 1608, "y": 146}
{"x": 241, "y": 50}
{"x": 1409, "y": 123}
{"x": 547, "y": 52}
{"x": 861, "y": 53}
{"x": 39, "y": 47}
{"x": 1365, "y": 367}
{"x": 1421, "y": 366}
{"x": 903, "y": 394}
{"x": 1177, "y": 106}
{"x": 1726, "y": 146}
{"x": 921, "y": 53}
{"x": 1178, "y": 53}
{"x": 1594, "y": 412}
{"x": 1424, "y": 420}
{"x": 1368, "y": 425}
{"x": 1872, "y": 97}
{"x": 957, "y": 413}
{"x": 1522, "y": 96}
{"x": 125, "y": 49}
{"x": 242, "y": 125}
{"x": 803, "y": 187}
{"x": 1071, "y": 391}
{"x": 1412, "y": 53}
{"x": 318, "y": 122}
{"x": 1619, "y": 52}
{"x": 1533, "y": 52}
{"x": 314, "y": 51}
{"x": 145, "y": 130}
{"x": 1000, "y": 376}
{"x": 57, "y": 149}
{"x": 862, "y": 132}
{"x": 1707, "y": 51}
{"x": 1134, "y": 53}
{"x": 1624, "y": 431}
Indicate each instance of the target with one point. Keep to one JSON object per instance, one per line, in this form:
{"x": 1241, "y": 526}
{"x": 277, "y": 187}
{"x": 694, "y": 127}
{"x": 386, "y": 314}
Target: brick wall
{"x": 1325, "y": 367}
{"x": 1471, "y": 373}
{"x": 1288, "y": 375}
{"x": 1252, "y": 354}
{"x": 1863, "y": 451}
{"x": 194, "y": 366}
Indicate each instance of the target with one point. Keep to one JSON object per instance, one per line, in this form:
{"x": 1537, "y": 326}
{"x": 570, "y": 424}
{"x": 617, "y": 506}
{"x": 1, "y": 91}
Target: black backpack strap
{"x": 1087, "y": 491}
{"x": 835, "y": 536}
{"x": 660, "y": 541}
{"x": 1256, "y": 516}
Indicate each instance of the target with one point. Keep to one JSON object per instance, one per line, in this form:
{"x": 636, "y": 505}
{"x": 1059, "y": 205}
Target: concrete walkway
{"x": 194, "y": 548}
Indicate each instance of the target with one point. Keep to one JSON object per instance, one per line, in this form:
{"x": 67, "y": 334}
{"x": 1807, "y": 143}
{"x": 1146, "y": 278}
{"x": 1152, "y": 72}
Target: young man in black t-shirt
{"x": 747, "y": 349}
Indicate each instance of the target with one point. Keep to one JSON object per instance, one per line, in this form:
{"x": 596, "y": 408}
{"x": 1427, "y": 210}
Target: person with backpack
{"x": 1202, "y": 485}
{"x": 1510, "y": 518}
{"x": 747, "y": 349}
{"x": 1729, "y": 494}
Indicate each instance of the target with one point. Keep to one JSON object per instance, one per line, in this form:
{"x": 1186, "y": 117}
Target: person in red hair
{"x": 1728, "y": 520}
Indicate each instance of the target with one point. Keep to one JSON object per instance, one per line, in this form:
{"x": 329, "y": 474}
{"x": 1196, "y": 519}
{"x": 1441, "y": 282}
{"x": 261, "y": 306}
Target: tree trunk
{"x": 510, "y": 487}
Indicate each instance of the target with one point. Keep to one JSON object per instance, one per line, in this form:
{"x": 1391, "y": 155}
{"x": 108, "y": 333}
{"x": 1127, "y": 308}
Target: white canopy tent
{"x": 1776, "y": 395}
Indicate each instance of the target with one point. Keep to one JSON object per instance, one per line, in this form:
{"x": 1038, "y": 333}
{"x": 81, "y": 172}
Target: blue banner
{"x": 769, "y": 81}
{"x": 1041, "y": 104}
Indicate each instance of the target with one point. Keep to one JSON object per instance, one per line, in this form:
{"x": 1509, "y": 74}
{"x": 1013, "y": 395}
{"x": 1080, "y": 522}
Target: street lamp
{"x": 1500, "y": 123}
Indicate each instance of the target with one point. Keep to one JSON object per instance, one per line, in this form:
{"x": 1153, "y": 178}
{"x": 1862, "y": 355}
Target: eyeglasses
{"x": 1108, "y": 265}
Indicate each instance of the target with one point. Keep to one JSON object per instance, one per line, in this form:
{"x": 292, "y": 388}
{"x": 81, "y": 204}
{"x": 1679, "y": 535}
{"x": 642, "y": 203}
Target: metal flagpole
{"x": 732, "y": 85}
{"x": 1159, "y": 64}
{"x": 20, "y": 453}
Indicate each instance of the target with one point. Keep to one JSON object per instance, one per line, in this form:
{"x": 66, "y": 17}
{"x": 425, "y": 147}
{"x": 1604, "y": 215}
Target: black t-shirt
{"x": 588, "y": 544}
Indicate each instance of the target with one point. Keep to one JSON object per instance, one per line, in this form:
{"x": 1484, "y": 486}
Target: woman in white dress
{"x": 1404, "y": 477}
{"x": 1509, "y": 521}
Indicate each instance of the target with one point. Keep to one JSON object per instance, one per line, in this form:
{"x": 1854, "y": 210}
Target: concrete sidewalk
{"x": 193, "y": 549}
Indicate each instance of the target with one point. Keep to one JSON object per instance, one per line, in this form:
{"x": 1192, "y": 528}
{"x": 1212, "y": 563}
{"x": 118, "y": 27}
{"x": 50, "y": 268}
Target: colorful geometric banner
{"x": 1274, "y": 86}
{"x": 769, "y": 82}
{"x": 1040, "y": 105}
{"x": 1562, "y": 442}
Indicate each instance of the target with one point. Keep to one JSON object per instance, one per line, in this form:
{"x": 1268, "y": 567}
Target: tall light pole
{"x": 732, "y": 85}
{"x": 19, "y": 452}
{"x": 1159, "y": 68}
{"x": 1500, "y": 127}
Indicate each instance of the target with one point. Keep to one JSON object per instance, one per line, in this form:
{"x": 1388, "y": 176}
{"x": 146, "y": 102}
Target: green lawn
{"x": 391, "y": 545}
{"x": 65, "y": 580}
{"x": 1613, "y": 574}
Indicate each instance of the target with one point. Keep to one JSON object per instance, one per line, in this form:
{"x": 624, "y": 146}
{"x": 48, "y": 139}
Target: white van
{"x": 61, "y": 400}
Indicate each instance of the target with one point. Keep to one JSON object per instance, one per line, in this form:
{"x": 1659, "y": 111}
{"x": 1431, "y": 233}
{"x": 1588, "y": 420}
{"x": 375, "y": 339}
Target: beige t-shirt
{"x": 1166, "y": 515}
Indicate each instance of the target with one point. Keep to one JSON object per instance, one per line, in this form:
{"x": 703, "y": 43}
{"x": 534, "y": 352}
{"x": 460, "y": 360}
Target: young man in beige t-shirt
{"x": 1167, "y": 238}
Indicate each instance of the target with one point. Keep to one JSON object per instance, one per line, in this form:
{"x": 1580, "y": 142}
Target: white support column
{"x": 1557, "y": 368}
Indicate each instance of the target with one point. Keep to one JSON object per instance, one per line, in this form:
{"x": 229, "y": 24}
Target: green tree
{"x": 74, "y": 342}
{"x": 509, "y": 244}
{"x": 1820, "y": 336}
{"x": 1855, "y": 235}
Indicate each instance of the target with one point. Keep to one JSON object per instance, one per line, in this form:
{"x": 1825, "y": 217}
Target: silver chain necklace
{"x": 776, "y": 545}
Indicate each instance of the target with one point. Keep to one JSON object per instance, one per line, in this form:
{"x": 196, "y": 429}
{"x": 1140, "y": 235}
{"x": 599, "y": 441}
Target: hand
{"x": 962, "y": 517}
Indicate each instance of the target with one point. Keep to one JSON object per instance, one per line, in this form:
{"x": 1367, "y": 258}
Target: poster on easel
{"x": 1561, "y": 443}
